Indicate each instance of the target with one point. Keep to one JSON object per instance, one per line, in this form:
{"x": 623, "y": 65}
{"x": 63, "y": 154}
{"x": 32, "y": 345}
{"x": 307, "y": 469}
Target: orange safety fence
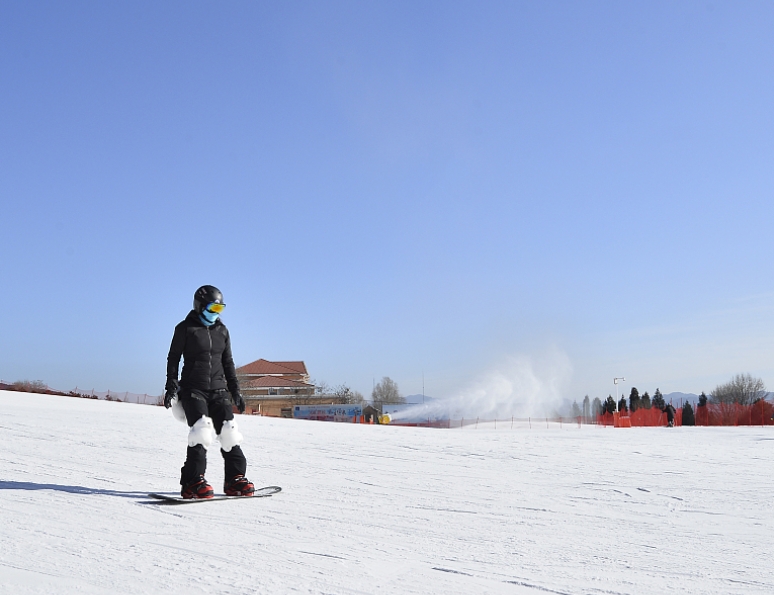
{"x": 639, "y": 419}
{"x": 121, "y": 397}
{"x": 731, "y": 414}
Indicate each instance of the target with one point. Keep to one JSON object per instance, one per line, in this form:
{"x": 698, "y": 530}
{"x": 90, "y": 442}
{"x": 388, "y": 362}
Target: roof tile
{"x": 263, "y": 366}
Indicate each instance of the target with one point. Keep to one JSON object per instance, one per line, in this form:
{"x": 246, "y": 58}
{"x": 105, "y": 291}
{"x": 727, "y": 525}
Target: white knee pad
{"x": 230, "y": 436}
{"x": 177, "y": 410}
{"x": 202, "y": 433}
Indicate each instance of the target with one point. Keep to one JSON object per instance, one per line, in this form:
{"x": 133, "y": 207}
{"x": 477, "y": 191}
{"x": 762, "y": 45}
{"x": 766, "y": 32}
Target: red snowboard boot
{"x": 197, "y": 489}
{"x": 238, "y": 485}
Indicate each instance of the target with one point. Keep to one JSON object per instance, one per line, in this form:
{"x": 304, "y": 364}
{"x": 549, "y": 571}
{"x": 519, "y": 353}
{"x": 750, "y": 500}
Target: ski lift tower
{"x": 615, "y": 381}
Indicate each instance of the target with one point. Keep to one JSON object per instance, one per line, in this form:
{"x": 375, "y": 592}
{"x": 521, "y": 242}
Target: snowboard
{"x": 259, "y": 493}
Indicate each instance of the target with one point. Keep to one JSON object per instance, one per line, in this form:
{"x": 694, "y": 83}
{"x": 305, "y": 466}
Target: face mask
{"x": 208, "y": 318}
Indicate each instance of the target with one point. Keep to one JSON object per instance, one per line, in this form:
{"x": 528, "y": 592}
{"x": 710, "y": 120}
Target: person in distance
{"x": 670, "y": 411}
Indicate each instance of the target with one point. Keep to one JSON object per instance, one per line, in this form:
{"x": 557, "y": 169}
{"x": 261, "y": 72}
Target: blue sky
{"x": 403, "y": 189}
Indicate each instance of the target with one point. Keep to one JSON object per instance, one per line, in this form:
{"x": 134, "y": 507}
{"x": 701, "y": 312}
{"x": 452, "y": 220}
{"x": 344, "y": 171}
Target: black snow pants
{"x": 218, "y": 406}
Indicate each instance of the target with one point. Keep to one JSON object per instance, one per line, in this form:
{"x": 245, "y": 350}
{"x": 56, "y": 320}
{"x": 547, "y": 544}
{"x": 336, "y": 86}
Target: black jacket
{"x": 207, "y": 361}
{"x": 670, "y": 411}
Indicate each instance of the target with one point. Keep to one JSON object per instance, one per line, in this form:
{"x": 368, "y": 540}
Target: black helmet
{"x": 206, "y": 295}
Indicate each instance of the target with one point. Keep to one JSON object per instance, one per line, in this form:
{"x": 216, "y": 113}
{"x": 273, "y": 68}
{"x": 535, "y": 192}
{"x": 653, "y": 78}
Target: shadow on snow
{"x": 26, "y": 485}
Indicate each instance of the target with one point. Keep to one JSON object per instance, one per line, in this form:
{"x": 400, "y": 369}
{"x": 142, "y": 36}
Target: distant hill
{"x": 677, "y": 397}
{"x": 693, "y": 398}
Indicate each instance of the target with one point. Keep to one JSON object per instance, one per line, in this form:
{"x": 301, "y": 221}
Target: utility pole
{"x": 615, "y": 381}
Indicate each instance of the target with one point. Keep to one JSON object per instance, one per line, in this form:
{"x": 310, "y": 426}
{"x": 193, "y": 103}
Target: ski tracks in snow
{"x": 369, "y": 509}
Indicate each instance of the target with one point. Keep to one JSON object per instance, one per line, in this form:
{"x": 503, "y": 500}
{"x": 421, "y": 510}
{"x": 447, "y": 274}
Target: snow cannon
{"x": 385, "y": 419}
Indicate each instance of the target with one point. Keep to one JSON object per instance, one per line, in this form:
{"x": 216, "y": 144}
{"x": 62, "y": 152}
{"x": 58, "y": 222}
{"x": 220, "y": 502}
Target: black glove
{"x": 238, "y": 401}
{"x": 169, "y": 395}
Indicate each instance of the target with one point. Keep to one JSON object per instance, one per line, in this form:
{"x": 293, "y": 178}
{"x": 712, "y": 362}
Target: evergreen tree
{"x": 609, "y": 406}
{"x": 702, "y": 399}
{"x": 645, "y": 402}
{"x": 596, "y": 407}
{"x": 576, "y": 410}
{"x": 634, "y": 399}
{"x": 658, "y": 400}
{"x": 622, "y": 405}
{"x": 688, "y": 418}
{"x": 586, "y": 408}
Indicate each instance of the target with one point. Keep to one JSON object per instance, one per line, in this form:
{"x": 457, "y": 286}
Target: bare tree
{"x": 386, "y": 391}
{"x": 321, "y": 387}
{"x": 742, "y": 389}
{"x": 30, "y": 386}
{"x": 344, "y": 394}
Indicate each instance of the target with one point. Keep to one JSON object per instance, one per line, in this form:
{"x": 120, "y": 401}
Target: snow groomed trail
{"x": 368, "y": 509}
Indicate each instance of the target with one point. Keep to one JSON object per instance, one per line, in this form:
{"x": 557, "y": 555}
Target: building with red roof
{"x": 272, "y": 388}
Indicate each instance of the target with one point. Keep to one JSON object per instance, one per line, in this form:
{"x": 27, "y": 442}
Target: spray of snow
{"x": 518, "y": 385}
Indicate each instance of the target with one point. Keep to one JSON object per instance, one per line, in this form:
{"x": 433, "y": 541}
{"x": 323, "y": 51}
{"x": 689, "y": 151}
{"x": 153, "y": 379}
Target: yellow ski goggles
{"x": 215, "y": 307}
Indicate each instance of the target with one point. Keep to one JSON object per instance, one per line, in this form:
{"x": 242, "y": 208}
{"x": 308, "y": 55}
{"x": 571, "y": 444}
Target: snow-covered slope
{"x": 368, "y": 509}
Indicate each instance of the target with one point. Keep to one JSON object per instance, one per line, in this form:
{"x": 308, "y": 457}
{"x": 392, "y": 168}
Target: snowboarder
{"x": 208, "y": 386}
{"x": 670, "y": 412}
